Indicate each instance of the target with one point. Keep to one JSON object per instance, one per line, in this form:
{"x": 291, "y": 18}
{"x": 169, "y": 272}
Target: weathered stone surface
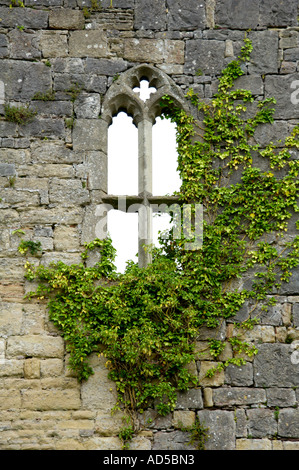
{"x": 89, "y": 135}
{"x": 150, "y": 14}
{"x": 288, "y": 423}
{"x": 7, "y": 169}
{"x": 27, "y": 17}
{"x": 51, "y": 399}
{"x": 277, "y": 13}
{"x": 241, "y": 376}
{"x": 54, "y": 44}
{"x": 99, "y": 392}
{"x": 259, "y": 13}
{"x": 11, "y": 317}
{"x": 285, "y": 90}
{"x": 53, "y": 152}
{"x": 66, "y": 19}
{"x": 176, "y": 440}
{"x": 229, "y": 396}
{"x": 192, "y": 399}
{"x": 35, "y": 345}
{"x": 281, "y": 397}
{"x": 221, "y": 429}
{"x": 273, "y": 366}
{"x": 67, "y": 192}
{"x": 23, "y": 79}
{"x": 295, "y": 313}
{"x": 261, "y": 423}
{"x": 264, "y": 56}
{"x": 206, "y": 56}
{"x": 88, "y": 106}
{"x": 185, "y": 15}
{"x": 88, "y": 44}
{"x": 109, "y": 67}
{"x": 23, "y": 45}
{"x": 253, "y": 444}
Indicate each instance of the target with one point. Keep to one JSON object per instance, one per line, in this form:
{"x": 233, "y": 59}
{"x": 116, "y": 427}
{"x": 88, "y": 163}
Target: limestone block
{"x": 52, "y": 108}
{"x": 144, "y": 50}
{"x": 239, "y": 375}
{"x": 3, "y": 46}
{"x": 54, "y": 44}
{"x": 103, "y": 443}
{"x": 230, "y": 14}
{"x": 191, "y": 399}
{"x": 51, "y": 399}
{"x": 288, "y": 423}
{"x": 229, "y": 396}
{"x": 185, "y": 15}
{"x": 86, "y": 43}
{"x": 183, "y": 419}
{"x": 23, "y": 45}
{"x": 96, "y": 168}
{"x": 280, "y": 372}
{"x": 207, "y": 56}
{"x": 53, "y": 152}
{"x": 174, "y": 52}
{"x": 11, "y": 368}
{"x": 221, "y": 429}
{"x": 10, "y": 399}
{"x": 35, "y": 345}
{"x": 282, "y": 397}
{"x": 99, "y": 392}
{"x": 32, "y": 368}
{"x": 216, "y": 380}
{"x": 11, "y": 316}
{"x": 66, "y": 19}
{"x": 88, "y": 106}
{"x": 261, "y": 423}
{"x": 67, "y": 192}
{"x": 176, "y": 440}
{"x": 51, "y": 368}
{"x": 66, "y": 238}
{"x": 7, "y": 169}
{"x": 264, "y": 56}
{"x": 278, "y": 14}
{"x": 27, "y": 17}
{"x": 109, "y": 67}
{"x": 52, "y": 216}
{"x": 140, "y": 443}
{"x": 66, "y": 258}
{"x": 89, "y": 135}
{"x": 42, "y": 127}
{"x": 13, "y": 198}
{"x": 150, "y": 14}
{"x": 22, "y": 79}
{"x": 46, "y": 170}
{"x": 14, "y": 156}
{"x": 253, "y": 444}
{"x": 107, "y": 424}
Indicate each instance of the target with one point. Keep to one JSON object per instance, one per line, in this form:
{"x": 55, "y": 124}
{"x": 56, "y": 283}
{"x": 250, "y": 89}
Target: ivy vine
{"x": 146, "y": 321}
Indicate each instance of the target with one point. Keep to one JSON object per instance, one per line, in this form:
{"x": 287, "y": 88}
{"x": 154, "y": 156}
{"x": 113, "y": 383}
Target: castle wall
{"x": 50, "y": 185}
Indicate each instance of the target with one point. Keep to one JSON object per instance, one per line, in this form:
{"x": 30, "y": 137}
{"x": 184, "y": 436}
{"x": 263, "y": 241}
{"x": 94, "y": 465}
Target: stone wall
{"x": 51, "y": 181}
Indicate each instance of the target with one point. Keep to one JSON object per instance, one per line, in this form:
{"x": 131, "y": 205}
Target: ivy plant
{"x": 146, "y": 321}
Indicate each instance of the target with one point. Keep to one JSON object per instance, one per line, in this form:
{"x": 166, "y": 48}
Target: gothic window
{"x": 142, "y": 158}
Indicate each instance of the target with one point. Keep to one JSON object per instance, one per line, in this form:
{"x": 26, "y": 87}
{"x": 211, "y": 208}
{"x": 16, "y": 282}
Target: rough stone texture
{"x": 53, "y": 176}
{"x": 221, "y": 429}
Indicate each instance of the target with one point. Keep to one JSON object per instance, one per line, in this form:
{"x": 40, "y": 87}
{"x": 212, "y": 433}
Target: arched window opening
{"x": 122, "y": 156}
{"x": 142, "y": 161}
{"x": 166, "y": 178}
{"x": 123, "y": 230}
